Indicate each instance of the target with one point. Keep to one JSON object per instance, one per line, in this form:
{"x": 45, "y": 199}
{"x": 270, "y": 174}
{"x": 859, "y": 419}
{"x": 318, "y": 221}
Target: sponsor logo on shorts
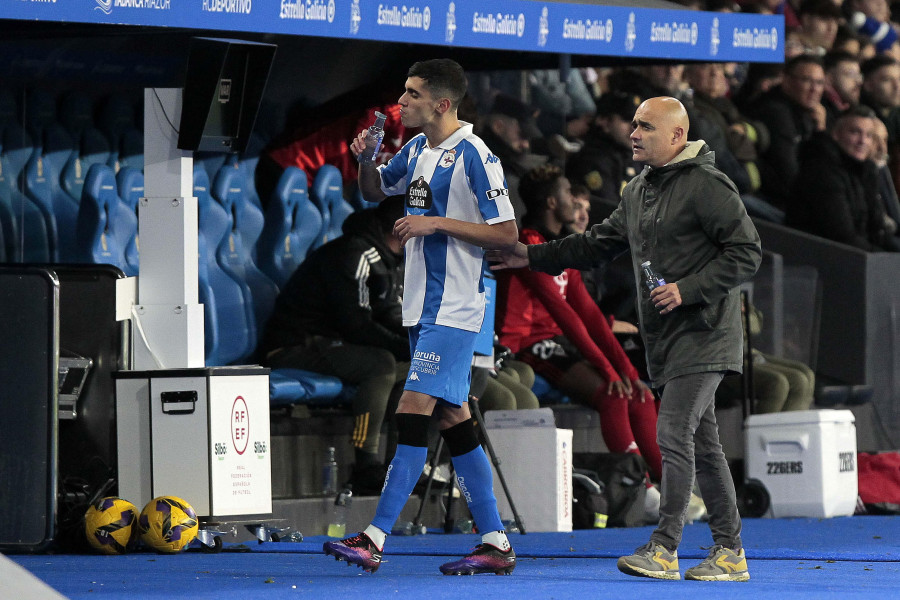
{"x": 427, "y": 356}
{"x": 426, "y": 363}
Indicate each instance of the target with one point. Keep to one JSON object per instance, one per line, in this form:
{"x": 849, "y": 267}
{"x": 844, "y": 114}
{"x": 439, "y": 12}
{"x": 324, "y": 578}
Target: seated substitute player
{"x": 457, "y": 205}
{"x": 553, "y": 324}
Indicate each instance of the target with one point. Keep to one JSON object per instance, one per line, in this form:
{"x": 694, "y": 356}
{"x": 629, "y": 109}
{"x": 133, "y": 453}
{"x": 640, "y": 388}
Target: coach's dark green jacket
{"x": 688, "y": 220}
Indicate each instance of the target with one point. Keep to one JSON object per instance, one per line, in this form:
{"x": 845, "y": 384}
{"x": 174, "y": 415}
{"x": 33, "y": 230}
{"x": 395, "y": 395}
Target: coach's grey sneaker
{"x": 722, "y": 564}
{"x": 651, "y": 560}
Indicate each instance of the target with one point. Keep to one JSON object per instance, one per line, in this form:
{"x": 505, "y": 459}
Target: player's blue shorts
{"x": 441, "y": 362}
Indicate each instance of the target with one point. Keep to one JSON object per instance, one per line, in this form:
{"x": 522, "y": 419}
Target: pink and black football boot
{"x": 485, "y": 558}
{"x": 357, "y": 550}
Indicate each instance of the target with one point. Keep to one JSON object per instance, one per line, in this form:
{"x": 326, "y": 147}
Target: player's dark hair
{"x": 445, "y": 78}
{"x": 388, "y": 211}
{"x": 536, "y": 186}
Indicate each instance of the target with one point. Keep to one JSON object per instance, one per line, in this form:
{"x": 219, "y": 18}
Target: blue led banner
{"x": 523, "y": 25}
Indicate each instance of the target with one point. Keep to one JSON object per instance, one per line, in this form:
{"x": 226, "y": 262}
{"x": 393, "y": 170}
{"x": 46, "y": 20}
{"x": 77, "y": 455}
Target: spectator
{"x": 339, "y": 315}
{"x": 581, "y": 196}
{"x": 650, "y": 81}
{"x": 792, "y": 112}
{"x": 791, "y": 11}
{"x": 610, "y": 285}
{"x": 886, "y": 188}
{"x": 744, "y": 138}
{"x": 836, "y": 190}
{"x": 847, "y": 40}
{"x": 881, "y": 92}
{"x": 604, "y": 164}
{"x": 879, "y": 10}
{"x": 565, "y": 101}
{"x": 880, "y": 34}
{"x": 819, "y": 20}
{"x": 760, "y": 79}
{"x": 843, "y": 82}
{"x": 554, "y": 325}
{"x": 508, "y": 131}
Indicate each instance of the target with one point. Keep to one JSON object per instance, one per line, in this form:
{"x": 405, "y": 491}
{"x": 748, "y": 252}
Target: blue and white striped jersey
{"x": 462, "y": 180}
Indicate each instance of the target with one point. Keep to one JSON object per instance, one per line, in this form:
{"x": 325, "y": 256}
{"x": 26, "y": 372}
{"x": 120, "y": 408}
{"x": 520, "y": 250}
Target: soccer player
{"x": 457, "y": 206}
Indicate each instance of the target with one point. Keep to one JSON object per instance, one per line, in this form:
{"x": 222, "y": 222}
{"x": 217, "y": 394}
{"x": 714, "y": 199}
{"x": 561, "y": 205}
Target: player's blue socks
{"x": 473, "y": 472}
{"x": 404, "y": 471}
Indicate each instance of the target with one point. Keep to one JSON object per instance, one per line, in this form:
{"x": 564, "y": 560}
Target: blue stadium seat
{"x": 131, "y": 150}
{"x": 211, "y": 162}
{"x": 130, "y": 182}
{"x": 91, "y": 148}
{"x": 296, "y": 386}
{"x": 546, "y": 393}
{"x": 234, "y": 252}
{"x": 318, "y": 193}
{"x": 230, "y": 186}
{"x": 247, "y": 164}
{"x": 41, "y": 187}
{"x": 40, "y": 112}
{"x": 228, "y": 328}
{"x": 96, "y": 240}
{"x": 116, "y": 119}
{"x": 328, "y": 194}
{"x": 292, "y": 225}
{"x": 14, "y": 155}
{"x": 360, "y": 203}
{"x": 228, "y": 320}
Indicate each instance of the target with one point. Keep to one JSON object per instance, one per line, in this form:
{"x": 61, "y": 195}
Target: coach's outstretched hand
{"x": 513, "y": 258}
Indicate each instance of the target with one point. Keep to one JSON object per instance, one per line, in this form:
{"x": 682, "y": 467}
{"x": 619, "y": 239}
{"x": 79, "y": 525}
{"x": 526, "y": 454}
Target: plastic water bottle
{"x": 374, "y": 136}
{"x": 408, "y": 528}
{"x": 651, "y": 279}
{"x": 329, "y": 474}
{"x": 338, "y": 526}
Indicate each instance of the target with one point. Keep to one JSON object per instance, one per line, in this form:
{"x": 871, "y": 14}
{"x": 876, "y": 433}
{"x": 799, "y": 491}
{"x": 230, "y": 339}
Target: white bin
{"x": 807, "y": 461}
{"x": 201, "y": 434}
{"x": 536, "y": 460}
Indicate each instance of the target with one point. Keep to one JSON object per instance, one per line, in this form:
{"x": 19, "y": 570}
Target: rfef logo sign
{"x": 240, "y": 425}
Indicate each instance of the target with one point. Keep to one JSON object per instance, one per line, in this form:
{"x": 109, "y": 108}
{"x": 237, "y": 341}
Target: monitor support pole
{"x": 167, "y": 318}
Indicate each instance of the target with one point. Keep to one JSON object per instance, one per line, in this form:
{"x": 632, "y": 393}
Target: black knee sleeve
{"x": 412, "y": 429}
{"x": 461, "y": 438}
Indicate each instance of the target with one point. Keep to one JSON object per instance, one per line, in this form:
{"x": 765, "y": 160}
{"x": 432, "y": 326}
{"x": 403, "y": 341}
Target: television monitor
{"x": 224, "y": 84}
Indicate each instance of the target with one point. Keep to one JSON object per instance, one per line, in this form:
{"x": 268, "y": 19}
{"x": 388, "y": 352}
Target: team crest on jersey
{"x": 418, "y": 194}
{"x": 449, "y": 158}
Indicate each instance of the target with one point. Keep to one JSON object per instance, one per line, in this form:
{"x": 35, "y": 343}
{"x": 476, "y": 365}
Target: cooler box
{"x": 200, "y": 434}
{"x": 807, "y": 461}
{"x": 536, "y": 460}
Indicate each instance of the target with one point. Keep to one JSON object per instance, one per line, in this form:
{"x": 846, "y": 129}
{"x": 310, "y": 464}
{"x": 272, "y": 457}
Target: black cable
{"x": 162, "y": 108}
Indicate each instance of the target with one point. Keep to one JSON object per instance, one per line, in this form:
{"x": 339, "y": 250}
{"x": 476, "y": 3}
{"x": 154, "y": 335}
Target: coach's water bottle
{"x": 329, "y": 474}
{"x": 374, "y": 136}
{"x": 651, "y": 279}
{"x": 337, "y": 527}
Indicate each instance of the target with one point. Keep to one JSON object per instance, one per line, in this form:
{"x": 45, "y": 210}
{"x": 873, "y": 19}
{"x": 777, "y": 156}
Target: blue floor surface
{"x": 845, "y": 558}
{"x": 842, "y": 538}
